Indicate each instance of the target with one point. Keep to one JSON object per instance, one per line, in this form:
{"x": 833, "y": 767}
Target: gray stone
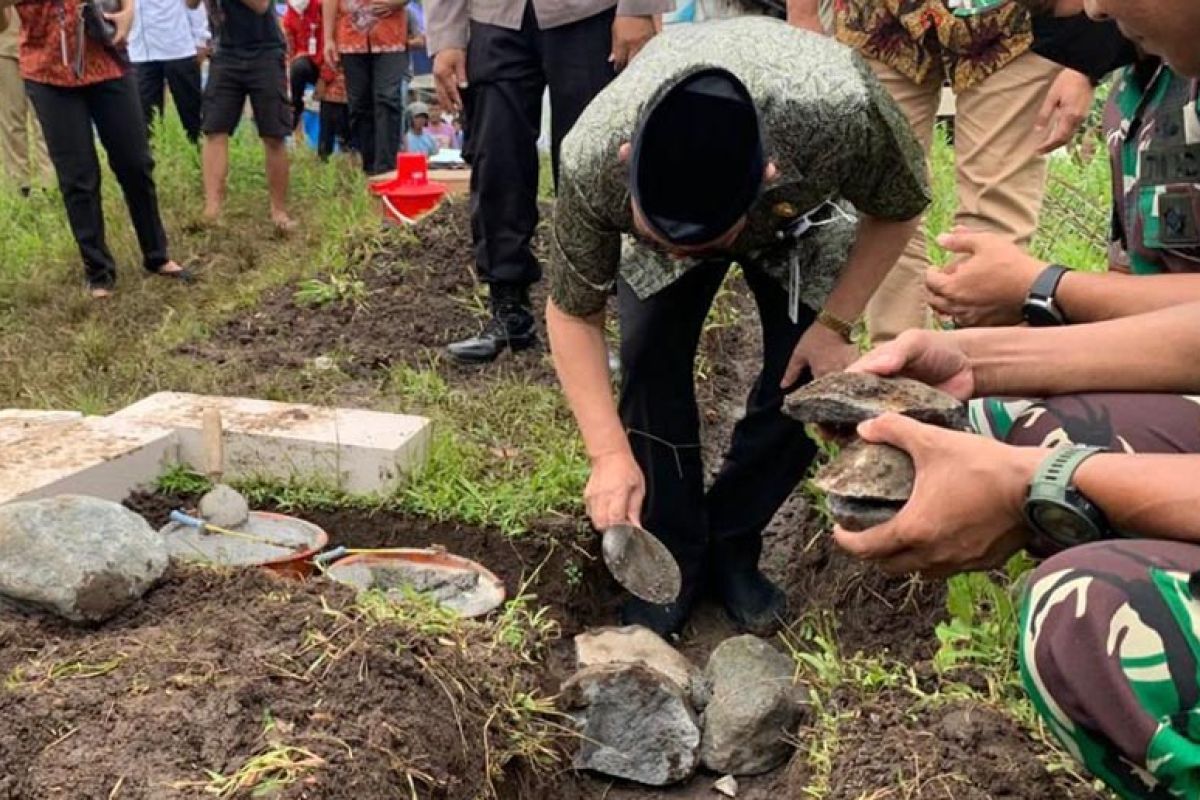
{"x": 866, "y": 484}
{"x": 755, "y": 706}
{"x": 82, "y": 558}
{"x": 727, "y": 786}
{"x": 634, "y": 644}
{"x": 848, "y": 398}
{"x": 634, "y": 723}
{"x": 224, "y": 507}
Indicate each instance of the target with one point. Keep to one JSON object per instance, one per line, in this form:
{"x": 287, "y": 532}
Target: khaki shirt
{"x": 831, "y": 129}
{"x": 447, "y": 21}
{"x": 10, "y": 37}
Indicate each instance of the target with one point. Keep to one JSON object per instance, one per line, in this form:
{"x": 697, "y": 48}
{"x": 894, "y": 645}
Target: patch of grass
{"x": 262, "y": 775}
{"x": 36, "y": 676}
{"x": 333, "y": 288}
{"x": 182, "y": 479}
{"x": 507, "y": 456}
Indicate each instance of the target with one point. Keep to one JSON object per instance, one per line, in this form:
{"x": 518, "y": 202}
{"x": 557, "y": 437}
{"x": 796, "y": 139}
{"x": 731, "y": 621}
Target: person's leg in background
{"x": 360, "y": 97}
{"x": 273, "y": 117}
{"x": 224, "y": 98}
{"x": 503, "y": 120}
{"x": 303, "y": 73}
{"x": 1000, "y": 176}
{"x": 1108, "y": 655}
{"x": 899, "y": 303}
{"x": 659, "y": 337}
{"x": 388, "y": 75}
{"x": 14, "y": 136}
{"x": 767, "y": 458}
{"x": 327, "y": 138}
{"x": 576, "y": 65}
{"x": 183, "y": 76}
{"x": 67, "y": 126}
{"x": 151, "y": 84}
{"x": 405, "y": 82}
{"x": 111, "y": 105}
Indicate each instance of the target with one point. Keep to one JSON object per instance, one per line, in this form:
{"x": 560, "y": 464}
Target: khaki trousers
{"x": 23, "y": 156}
{"x": 1000, "y": 178}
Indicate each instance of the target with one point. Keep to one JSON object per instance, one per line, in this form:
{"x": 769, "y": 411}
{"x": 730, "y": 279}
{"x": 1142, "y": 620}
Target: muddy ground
{"x": 215, "y": 668}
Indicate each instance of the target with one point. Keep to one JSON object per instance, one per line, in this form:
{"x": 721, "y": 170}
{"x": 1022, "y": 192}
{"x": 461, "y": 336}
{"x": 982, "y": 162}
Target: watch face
{"x": 1041, "y": 314}
{"x": 1062, "y": 523}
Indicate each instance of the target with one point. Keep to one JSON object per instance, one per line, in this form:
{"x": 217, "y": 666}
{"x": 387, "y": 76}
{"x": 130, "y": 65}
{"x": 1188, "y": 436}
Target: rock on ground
{"x": 754, "y": 707}
{"x": 634, "y": 723}
{"x": 82, "y": 558}
{"x": 635, "y": 644}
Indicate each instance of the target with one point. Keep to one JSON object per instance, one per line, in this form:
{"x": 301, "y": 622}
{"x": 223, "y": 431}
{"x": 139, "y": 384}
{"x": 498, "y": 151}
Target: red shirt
{"x": 46, "y": 27}
{"x": 333, "y": 88}
{"x": 305, "y": 33}
{"x": 359, "y": 30}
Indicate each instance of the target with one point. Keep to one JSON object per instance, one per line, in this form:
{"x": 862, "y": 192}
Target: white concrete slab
{"x": 16, "y": 423}
{"x": 97, "y": 456}
{"x": 357, "y": 450}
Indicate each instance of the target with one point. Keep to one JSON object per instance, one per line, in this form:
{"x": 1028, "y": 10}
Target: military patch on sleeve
{"x": 1177, "y": 212}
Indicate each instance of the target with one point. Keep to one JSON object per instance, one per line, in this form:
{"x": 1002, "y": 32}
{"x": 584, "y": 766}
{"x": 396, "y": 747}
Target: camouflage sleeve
{"x": 585, "y": 254}
{"x": 889, "y": 180}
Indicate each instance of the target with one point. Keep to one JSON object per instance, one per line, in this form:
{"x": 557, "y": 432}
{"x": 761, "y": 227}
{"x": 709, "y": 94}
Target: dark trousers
{"x": 376, "y": 118}
{"x": 769, "y": 452}
{"x": 67, "y": 116}
{"x": 335, "y": 128}
{"x": 508, "y": 71}
{"x": 301, "y": 74}
{"x": 183, "y": 77}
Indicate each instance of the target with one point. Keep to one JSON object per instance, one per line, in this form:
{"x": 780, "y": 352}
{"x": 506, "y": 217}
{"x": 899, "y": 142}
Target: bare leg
{"x": 216, "y": 171}
{"x": 277, "y": 181}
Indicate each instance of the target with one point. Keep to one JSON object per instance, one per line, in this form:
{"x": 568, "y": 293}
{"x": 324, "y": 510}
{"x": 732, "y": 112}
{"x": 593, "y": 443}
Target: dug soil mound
{"x": 954, "y": 751}
{"x": 223, "y": 683}
{"x": 418, "y": 293}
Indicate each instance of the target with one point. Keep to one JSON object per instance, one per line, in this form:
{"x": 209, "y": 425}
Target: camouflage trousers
{"x": 1110, "y": 632}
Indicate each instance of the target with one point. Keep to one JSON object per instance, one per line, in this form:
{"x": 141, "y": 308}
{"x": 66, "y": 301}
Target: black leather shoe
{"x": 499, "y": 334}
{"x": 667, "y": 621}
{"x": 753, "y": 603}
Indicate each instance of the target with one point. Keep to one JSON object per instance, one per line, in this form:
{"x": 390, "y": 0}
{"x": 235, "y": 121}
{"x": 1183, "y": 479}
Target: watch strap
{"x": 833, "y": 322}
{"x": 1046, "y": 283}
{"x": 1059, "y": 467}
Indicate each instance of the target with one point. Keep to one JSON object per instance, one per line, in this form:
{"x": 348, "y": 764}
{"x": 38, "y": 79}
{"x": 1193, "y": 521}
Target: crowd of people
{"x": 796, "y": 149}
{"x": 89, "y": 65}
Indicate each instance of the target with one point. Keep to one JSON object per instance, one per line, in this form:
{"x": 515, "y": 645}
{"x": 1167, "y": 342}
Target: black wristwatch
{"x": 1040, "y": 310}
{"x": 1058, "y": 514}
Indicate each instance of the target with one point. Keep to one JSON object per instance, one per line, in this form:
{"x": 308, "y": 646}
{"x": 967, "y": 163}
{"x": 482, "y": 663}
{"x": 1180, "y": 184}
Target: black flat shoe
{"x": 753, "y": 603}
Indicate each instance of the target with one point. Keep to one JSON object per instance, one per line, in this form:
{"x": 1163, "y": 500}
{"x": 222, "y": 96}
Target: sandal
{"x": 183, "y": 274}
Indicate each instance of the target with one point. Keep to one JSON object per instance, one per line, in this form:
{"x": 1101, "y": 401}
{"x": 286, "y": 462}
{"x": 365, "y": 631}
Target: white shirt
{"x": 167, "y": 30}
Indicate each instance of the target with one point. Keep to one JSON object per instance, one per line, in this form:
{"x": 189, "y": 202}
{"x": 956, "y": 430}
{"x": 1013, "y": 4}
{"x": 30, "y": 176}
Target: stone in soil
{"x": 634, "y": 644}
{"x": 847, "y": 398}
{"x": 755, "y": 707}
{"x": 866, "y": 483}
{"x": 634, "y": 723}
{"x": 82, "y": 558}
{"x": 224, "y": 506}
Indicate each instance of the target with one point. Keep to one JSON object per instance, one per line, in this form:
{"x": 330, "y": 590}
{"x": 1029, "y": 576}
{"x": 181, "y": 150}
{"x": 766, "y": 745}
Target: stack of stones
{"x": 867, "y": 484}
{"x": 646, "y": 714}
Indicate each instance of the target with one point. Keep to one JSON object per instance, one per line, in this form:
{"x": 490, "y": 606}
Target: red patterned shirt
{"x": 360, "y": 30}
{"x": 54, "y": 49}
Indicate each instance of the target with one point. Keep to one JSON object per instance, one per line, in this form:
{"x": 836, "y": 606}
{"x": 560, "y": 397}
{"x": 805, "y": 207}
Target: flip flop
{"x": 183, "y": 275}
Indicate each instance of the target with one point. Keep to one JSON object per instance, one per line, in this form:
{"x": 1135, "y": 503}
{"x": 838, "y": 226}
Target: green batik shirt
{"x": 832, "y": 131}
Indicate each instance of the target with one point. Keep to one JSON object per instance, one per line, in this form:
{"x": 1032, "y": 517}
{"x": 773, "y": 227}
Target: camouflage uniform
{"x": 1111, "y": 631}
{"x": 834, "y": 135}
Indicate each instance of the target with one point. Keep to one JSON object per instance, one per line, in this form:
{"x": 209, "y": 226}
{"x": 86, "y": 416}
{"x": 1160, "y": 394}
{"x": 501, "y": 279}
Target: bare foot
{"x": 284, "y": 224}
{"x": 100, "y": 293}
{"x": 210, "y": 217}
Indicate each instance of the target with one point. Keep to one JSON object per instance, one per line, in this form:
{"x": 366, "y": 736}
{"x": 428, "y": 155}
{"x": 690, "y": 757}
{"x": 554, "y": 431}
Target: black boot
{"x": 511, "y": 326}
{"x": 668, "y": 620}
{"x": 753, "y": 603}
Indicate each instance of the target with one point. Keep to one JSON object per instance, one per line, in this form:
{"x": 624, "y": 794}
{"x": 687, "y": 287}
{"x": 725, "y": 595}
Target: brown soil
{"x": 215, "y": 668}
{"x": 891, "y": 748}
{"x": 420, "y": 296}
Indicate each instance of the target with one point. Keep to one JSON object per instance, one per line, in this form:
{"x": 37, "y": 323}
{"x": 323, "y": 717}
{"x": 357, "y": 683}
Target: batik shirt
{"x": 1153, "y": 129}
{"x": 830, "y": 128}
{"x": 926, "y": 39}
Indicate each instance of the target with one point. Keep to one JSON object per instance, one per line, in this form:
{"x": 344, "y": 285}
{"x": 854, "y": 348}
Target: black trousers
{"x": 508, "y": 71}
{"x": 67, "y": 116}
{"x": 183, "y": 77}
{"x": 335, "y": 128}
{"x": 376, "y": 117}
{"x": 301, "y": 74}
{"x": 769, "y": 454}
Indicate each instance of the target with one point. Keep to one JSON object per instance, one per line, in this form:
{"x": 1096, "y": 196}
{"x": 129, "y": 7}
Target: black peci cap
{"x": 698, "y": 158}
